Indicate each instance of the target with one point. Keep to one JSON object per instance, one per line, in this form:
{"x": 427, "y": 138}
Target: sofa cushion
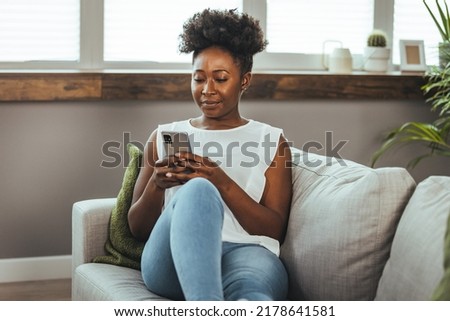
{"x": 416, "y": 264}
{"x": 342, "y": 222}
{"x": 105, "y": 282}
{"x": 121, "y": 247}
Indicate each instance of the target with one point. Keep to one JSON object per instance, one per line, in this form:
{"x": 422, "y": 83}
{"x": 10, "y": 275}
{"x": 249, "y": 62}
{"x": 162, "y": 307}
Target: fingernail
{"x": 168, "y": 174}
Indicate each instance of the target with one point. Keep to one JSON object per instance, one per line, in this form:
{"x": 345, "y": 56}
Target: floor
{"x": 46, "y": 290}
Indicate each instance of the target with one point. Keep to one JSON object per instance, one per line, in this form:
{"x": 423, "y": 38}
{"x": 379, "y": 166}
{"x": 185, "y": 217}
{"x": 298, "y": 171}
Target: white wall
{"x": 51, "y": 153}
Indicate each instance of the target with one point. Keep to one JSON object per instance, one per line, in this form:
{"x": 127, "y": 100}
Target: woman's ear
{"x": 246, "y": 79}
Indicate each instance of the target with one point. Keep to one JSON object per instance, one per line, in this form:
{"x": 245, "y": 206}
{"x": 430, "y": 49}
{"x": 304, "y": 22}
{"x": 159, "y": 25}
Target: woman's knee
{"x": 200, "y": 192}
{"x": 201, "y": 185}
{"x": 198, "y": 199}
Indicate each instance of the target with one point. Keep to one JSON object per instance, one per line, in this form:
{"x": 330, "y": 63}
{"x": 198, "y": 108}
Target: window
{"x": 300, "y": 32}
{"x": 305, "y": 26}
{"x": 41, "y": 30}
{"x": 143, "y": 34}
{"x": 407, "y": 13}
{"x": 142, "y": 30}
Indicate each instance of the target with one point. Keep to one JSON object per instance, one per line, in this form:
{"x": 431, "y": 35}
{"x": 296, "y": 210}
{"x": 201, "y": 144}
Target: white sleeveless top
{"x": 244, "y": 153}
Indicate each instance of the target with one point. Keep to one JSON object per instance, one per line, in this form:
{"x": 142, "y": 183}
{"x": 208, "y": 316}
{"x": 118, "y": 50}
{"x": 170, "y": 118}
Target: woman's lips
{"x": 210, "y": 103}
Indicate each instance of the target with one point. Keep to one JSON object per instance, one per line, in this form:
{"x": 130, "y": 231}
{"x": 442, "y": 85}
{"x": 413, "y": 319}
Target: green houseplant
{"x": 377, "y": 39}
{"x": 442, "y": 21}
{"x": 376, "y": 55}
{"x": 436, "y": 135}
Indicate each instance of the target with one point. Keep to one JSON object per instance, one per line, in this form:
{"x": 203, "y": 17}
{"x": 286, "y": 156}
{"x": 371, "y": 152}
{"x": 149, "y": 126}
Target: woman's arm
{"x": 268, "y": 217}
{"x": 148, "y": 194}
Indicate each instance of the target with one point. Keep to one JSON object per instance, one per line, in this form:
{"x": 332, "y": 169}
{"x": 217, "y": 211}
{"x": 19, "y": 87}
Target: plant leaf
{"x": 447, "y": 20}
{"x": 444, "y": 20}
{"x": 441, "y": 31}
{"x": 413, "y": 132}
{"x": 413, "y": 163}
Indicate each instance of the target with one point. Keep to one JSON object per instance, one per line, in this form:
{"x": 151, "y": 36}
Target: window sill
{"x": 163, "y": 85}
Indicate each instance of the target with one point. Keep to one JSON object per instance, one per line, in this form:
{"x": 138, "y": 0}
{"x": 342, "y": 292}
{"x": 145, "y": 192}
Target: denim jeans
{"x": 185, "y": 258}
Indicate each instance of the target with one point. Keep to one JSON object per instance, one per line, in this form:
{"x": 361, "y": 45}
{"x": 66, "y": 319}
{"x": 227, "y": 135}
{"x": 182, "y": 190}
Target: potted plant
{"x": 436, "y": 135}
{"x": 376, "y": 55}
{"x": 443, "y": 26}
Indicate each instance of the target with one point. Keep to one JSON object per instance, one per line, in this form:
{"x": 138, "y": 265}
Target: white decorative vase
{"x": 340, "y": 61}
{"x": 376, "y": 59}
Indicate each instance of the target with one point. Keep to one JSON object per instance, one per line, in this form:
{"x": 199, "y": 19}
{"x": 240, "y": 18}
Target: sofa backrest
{"x": 341, "y": 226}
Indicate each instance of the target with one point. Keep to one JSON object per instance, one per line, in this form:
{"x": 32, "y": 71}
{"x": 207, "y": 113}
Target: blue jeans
{"x": 185, "y": 258}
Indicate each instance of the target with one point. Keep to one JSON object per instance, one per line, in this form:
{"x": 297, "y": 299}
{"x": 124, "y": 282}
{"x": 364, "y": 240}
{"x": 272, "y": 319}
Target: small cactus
{"x": 377, "y": 39}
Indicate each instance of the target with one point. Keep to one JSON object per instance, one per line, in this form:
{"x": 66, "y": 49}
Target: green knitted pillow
{"x": 122, "y": 248}
{"x": 442, "y": 292}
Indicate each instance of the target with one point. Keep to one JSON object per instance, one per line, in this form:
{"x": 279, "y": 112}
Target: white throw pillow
{"x": 342, "y": 222}
{"x": 416, "y": 264}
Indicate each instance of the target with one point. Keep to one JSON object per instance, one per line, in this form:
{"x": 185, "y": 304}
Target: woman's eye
{"x": 198, "y": 79}
{"x": 221, "y": 79}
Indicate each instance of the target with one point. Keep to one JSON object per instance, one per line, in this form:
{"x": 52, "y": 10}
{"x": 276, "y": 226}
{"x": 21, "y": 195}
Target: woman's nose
{"x": 209, "y": 88}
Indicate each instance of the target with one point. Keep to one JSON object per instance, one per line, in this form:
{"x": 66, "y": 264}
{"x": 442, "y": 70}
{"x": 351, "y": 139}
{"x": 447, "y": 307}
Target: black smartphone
{"x": 175, "y": 142}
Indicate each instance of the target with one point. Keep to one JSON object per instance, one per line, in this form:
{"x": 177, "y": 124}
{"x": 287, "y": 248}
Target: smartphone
{"x": 175, "y": 142}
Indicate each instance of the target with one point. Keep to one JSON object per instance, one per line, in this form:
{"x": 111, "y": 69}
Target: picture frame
{"x": 412, "y": 55}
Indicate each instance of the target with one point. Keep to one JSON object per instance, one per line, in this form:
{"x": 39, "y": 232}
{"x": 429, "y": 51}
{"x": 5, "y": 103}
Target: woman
{"x": 214, "y": 218}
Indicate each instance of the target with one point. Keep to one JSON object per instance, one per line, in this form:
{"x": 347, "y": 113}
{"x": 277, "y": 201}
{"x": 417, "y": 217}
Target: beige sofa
{"x": 354, "y": 233}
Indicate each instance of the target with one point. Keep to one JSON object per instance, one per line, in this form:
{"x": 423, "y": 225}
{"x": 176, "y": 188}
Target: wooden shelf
{"x": 108, "y": 85}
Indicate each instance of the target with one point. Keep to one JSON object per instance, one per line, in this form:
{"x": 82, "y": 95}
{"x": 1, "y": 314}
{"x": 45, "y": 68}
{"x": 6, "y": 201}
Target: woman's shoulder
{"x": 264, "y": 127}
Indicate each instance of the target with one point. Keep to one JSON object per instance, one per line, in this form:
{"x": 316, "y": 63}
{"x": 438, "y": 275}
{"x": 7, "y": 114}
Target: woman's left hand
{"x": 198, "y": 166}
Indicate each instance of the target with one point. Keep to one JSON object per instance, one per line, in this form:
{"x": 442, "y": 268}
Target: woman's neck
{"x": 217, "y": 124}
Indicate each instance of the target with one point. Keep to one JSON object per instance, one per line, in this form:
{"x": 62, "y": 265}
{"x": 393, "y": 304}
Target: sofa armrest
{"x": 90, "y": 220}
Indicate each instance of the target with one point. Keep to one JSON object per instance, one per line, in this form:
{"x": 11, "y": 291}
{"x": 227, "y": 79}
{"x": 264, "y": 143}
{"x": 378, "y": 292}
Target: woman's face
{"x": 217, "y": 83}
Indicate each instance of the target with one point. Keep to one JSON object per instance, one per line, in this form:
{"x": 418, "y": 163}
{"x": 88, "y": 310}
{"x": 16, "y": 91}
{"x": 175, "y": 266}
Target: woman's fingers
{"x": 195, "y": 160}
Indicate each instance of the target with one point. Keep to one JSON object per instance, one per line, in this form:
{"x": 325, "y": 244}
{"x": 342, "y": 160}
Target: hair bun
{"x": 237, "y": 32}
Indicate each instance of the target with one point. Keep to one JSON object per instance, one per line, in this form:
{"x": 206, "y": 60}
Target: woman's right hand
{"x": 163, "y": 173}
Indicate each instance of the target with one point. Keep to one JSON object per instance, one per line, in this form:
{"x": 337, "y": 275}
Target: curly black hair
{"x": 238, "y": 33}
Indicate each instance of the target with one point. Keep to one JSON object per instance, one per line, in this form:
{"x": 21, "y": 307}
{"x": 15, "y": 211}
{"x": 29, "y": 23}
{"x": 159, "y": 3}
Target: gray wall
{"x": 51, "y": 153}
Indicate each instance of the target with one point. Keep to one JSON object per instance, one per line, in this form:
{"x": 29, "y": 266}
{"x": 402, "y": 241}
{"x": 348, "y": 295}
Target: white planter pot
{"x": 376, "y": 59}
